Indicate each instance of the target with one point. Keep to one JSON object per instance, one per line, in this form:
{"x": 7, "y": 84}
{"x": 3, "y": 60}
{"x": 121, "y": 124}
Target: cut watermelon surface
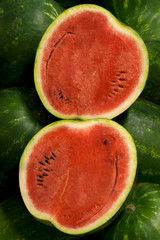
{"x": 77, "y": 174}
{"x": 89, "y": 65}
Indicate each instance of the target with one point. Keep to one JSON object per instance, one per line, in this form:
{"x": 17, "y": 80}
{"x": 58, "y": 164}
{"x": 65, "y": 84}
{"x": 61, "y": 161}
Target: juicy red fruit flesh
{"x": 76, "y": 175}
{"x": 89, "y": 67}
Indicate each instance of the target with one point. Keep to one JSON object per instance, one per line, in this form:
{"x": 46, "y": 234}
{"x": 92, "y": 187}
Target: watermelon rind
{"x": 107, "y": 217}
{"x": 21, "y": 116}
{"x": 119, "y": 27}
{"x": 142, "y": 121}
{"x": 23, "y": 23}
{"x": 140, "y": 217}
{"x": 17, "y": 223}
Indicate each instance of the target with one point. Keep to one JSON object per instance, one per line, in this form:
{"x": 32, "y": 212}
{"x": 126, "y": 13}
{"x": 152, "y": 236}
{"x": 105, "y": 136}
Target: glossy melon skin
{"x": 86, "y": 86}
{"x": 109, "y": 5}
{"x": 22, "y": 26}
{"x": 50, "y": 170}
{"x": 21, "y": 116}
{"x": 17, "y": 223}
{"x": 140, "y": 219}
{"x": 142, "y": 120}
{"x": 70, "y": 3}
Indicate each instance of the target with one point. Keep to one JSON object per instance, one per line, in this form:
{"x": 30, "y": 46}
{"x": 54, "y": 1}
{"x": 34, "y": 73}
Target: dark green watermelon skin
{"x": 142, "y": 120}
{"x": 144, "y": 17}
{"x": 17, "y": 223}
{"x": 71, "y": 3}
{"x": 22, "y": 24}
{"x": 108, "y": 4}
{"x": 21, "y": 116}
{"x": 140, "y": 219}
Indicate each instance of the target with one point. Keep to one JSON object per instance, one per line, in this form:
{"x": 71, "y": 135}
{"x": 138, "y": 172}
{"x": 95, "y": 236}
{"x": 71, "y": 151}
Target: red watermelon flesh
{"x": 90, "y": 64}
{"x": 75, "y": 173}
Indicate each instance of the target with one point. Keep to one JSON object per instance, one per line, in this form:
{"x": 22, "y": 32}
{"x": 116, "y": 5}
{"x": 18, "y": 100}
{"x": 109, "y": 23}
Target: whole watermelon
{"x": 22, "y": 24}
{"x": 21, "y": 116}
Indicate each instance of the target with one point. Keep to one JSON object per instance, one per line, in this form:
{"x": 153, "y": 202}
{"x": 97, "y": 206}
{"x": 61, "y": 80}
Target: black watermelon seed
{"x": 40, "y": 176}
{"x": 44, "y": 174}
{"x": 47, "y": 170}
{"x": 39, "y": 180}
{"x": 122, "y": 79}
{"x": 47, "y": 161}
{"x": 41, "y": 163}
{"x": 121, "y": 86}
{"x": 115, "y": 89}
{"x": 53, "y": 154}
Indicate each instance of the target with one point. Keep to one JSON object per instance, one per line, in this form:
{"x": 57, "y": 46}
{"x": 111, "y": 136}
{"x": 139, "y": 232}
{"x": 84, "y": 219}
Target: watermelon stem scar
{"x": 89, "y": 65}
{"x": 130, "y": 207}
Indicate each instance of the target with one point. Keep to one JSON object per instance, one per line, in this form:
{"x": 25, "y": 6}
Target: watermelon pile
{"x": 80, "y": 120}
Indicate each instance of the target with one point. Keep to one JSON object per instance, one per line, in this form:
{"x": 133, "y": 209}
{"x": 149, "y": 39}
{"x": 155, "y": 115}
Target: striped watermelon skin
{"x": 140, "y": 219}
{"x": 142, "y": 120}
{"x": 21, "y": 116}
{"x": 17, "y": 223}
{"x": 144, "y": 17}
{"x": 21, "y": 28}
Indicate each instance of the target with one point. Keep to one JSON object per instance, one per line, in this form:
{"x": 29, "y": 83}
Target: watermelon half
{"x": 89, "y": 65}
{"x": 76, "y": 175}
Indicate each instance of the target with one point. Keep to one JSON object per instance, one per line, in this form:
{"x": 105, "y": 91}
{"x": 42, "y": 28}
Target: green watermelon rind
{"x": 119, "y": 27}
{"x": 17, "y": 223}
{"x": 142, "y": 121}
{"x": 22, "y": 29}
{"x": 21, "y": 116}
{"x": 140, "y": 218}
{"x": 110, "y": 215}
